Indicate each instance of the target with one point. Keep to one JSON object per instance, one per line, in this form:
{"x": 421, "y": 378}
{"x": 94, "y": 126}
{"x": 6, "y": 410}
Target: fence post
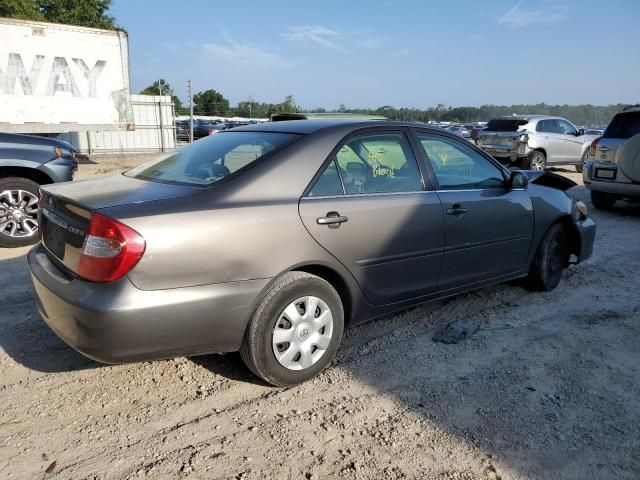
{"x": 161, "y": 126}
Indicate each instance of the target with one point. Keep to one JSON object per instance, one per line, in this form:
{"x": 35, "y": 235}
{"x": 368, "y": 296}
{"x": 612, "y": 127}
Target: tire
{"x": 580, "y": 166}
{"x": 18, "y": 212}
{"x": 259, "y": 346}
{"x": 550, "y": 260}
{"x": 602, "y": 200}
{"x": 536, "y": 161}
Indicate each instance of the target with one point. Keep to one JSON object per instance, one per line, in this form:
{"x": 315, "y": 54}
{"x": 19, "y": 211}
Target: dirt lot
{"x": 549, "y": 388}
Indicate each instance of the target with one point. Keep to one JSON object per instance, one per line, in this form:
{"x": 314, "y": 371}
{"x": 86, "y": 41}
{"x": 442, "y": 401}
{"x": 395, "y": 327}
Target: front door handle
{"x": 332, "y": 219}
{"x": 456, "y": 210}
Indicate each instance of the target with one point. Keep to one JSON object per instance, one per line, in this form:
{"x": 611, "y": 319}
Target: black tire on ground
{"x": 602, "y": 200}
{"x": 535, "y": 161}
{"x": 257, "y": 348}
{"x": 10, "y": 184}
{"x": 580, "y": 166}
{"x": 550, "y": 260}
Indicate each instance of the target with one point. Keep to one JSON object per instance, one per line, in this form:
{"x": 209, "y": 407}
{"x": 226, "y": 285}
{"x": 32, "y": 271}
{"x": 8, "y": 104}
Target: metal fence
{"x": 155, "y": 130}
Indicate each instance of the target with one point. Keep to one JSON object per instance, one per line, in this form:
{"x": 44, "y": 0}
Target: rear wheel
{"x": 549, "y": 261}
{"x": 296, "y": 330}
{"x": 18, "y": 212}
{"x": 536, "y": 161}
{"x": 602, "y": 200}
{"x": 580, "y": 166}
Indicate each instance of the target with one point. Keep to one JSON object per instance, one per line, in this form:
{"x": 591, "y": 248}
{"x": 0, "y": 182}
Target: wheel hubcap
{"x": 537, "y": 163}
{"x": 18, "y": 213}
{"x": 302, "y": 333}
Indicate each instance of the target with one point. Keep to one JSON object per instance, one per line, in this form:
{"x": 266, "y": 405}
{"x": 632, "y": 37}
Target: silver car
{"x": 270, "y": 238}
{"x": 612, "y": 171}
{"x": 533, "y": 142}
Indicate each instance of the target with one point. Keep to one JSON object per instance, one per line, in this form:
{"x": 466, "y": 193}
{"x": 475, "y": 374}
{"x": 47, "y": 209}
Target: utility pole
{"x": 190, "y": 113}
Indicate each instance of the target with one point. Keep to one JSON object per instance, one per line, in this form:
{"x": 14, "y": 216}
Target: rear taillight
{"x": 110, "y": 250}
{"x": 594, "y": 146}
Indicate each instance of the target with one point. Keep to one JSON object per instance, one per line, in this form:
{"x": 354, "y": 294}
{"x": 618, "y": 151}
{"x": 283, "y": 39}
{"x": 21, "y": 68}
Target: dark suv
{"x": 612, "y": 171}
{"x": 25, "y": 163}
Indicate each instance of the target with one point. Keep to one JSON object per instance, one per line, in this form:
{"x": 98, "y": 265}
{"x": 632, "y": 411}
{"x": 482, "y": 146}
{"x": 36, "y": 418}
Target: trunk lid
{"x": 607, "y": 149}
{"x": 65, "y": 209}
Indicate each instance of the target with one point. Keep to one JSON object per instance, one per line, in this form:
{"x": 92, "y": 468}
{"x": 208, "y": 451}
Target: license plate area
{"x": 605, "y": 173}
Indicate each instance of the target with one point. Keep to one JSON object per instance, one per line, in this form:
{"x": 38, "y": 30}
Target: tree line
{"x": 84, "y": 13}
{"x": 213, "y": 103}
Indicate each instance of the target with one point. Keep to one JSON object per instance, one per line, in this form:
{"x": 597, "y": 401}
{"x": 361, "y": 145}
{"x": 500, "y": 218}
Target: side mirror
{"x": 580, "y": 132}
{"x": 518, "y": 180}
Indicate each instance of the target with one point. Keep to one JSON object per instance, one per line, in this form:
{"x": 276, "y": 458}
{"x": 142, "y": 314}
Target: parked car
{"x": 182, "y": 130}
{"x": 474, "y": 133}
{"x": 26, "y": 162}
{"x": 596, "y": 132}
{"x": 460, "y": 131}
{"x": 269, "y": 238}
{"x": 612, "y": 172}
{"x": 203, "y": 129}
{"x": 535, "y": 141}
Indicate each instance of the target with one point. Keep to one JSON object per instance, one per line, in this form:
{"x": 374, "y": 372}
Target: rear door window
{"x": 623, "y": 126}
{"x": 378, "y": 162}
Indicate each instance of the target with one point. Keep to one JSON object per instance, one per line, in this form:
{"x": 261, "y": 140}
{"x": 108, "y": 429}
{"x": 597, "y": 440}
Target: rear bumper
{"x": 622, "y": 186}
{"x": 116, "y": 322}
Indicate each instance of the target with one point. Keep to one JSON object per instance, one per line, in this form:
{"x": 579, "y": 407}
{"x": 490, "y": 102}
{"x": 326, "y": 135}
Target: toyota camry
{"x": 270, "y": 239}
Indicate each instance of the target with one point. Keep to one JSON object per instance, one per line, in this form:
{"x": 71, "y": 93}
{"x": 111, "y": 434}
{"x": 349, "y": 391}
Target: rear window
{"x": 210, "y": 160}
{"x": 505, "y": 124}
{"x": 623, "y": 125}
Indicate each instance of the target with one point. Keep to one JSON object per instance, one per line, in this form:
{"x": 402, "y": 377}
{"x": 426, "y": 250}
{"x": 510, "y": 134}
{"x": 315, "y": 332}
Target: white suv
{"x": 533, "y": 142}
{"x": 612, "y": 171}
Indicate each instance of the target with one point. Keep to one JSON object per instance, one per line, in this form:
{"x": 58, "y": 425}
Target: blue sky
{"x": 389, "y": 52}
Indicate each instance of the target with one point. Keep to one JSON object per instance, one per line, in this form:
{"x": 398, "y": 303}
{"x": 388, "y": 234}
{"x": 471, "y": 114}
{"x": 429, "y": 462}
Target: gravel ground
{"x": 548, "y": 388}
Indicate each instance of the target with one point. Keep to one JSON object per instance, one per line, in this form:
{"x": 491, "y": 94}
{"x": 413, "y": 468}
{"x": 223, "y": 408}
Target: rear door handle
{"x": 332, "y": 218}
{"x": 456, "y": 209}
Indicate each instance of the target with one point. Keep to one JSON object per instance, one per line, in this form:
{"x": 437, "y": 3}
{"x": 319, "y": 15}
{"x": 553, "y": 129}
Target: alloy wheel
{"x": 302, "y": 333}
{"x": 18, "y": 213}
{"x": 537, "y": 162}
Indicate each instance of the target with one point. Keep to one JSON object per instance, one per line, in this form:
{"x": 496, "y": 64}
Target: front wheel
{"x": 18, "y": 212}
{"x": 295, "y": 331}
{"x": 549, "y": 261}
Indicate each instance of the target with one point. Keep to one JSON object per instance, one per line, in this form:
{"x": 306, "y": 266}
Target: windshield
{"x": 505, "y": 124}
{"x": 623, "y": 126}
{"x": 211, "y": 159}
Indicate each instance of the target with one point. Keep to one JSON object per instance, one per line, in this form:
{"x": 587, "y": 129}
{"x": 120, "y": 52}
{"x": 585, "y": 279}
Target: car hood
{"x": 34, "y": 140}
{"x": 115, "y": 191}
{"x": 549, "y": 179}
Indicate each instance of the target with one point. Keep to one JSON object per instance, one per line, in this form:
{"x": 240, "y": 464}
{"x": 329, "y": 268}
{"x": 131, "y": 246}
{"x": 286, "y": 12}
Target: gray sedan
{"x": 270, "y": 238}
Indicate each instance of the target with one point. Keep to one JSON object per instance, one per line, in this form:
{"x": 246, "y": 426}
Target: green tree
{"x": 24, "y": 9}
{"x": 85, "y": 13}
{"x": 161, "y": 85}
{"x": 210, "y": 102}
{"x": 289, "y": 105}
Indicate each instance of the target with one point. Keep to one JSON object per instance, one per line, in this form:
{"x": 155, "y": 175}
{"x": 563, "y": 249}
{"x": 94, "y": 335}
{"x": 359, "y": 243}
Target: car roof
{"x": 308, "y": 126}
{"x": 527, "y": 117}
{"x": 287, "y": 116}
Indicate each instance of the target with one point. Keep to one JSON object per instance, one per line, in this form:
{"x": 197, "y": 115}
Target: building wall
{"x": 148, "y": 114}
